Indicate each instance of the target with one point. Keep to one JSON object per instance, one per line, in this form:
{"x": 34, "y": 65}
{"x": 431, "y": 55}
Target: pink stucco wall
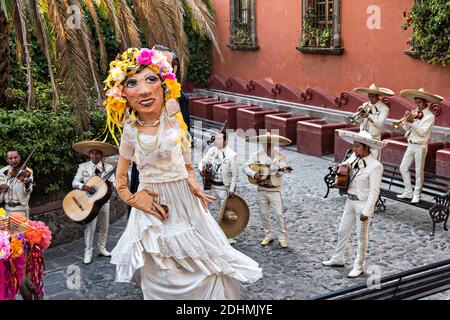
{"x": 369, "y": 56}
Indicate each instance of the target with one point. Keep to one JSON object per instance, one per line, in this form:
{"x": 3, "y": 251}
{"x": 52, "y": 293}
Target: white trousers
{"x": 221, "y": 193}
{"x": 351, "y": 216}
{"x": 103, "y": 223}
{"x": 417, "y": 153}
{"x": 272, "y": 200}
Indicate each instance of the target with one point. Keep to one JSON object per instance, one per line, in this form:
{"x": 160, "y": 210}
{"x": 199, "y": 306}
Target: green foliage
{"x": 200, "y": 58}
{"x": 430, "y": 22}
{"x": 54, "y": 162}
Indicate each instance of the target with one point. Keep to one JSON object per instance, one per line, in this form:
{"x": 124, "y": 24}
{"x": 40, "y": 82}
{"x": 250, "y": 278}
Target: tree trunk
{"x": 4, "y": 57}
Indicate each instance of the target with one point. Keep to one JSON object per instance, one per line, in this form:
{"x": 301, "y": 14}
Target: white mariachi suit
{"x": 85, "y": 171}
{"x": 418, "y": 134}
{"x": 225, "y": 173}
{"x": 17, "y": 197}
{"x": 363, "y": 194}
{"x": 269, "y": 195}
{"x": 374, "y": 123}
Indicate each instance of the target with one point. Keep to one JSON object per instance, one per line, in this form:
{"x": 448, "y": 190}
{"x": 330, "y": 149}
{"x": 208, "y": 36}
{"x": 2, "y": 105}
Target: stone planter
{"x": 316, "y": 137}
{"x": 285, "y": 123}
{"x": 228, "y": 112}
{"x": 253, "y": 118}
{"x": 443, "y": 162}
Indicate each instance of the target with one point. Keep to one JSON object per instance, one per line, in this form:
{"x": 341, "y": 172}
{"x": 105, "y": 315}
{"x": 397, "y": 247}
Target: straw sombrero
{"x": 421, "y": 93}
{"x": 363, "y": 137}
{"x": 375, "y": 89}
{"x": 273, "y": 138}
{"x": 84, "y": 147}
{"x": 234, "y": 216}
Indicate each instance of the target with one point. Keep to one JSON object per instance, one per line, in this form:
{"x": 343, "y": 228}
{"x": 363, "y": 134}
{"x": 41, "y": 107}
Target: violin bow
{"x": 24, "y": 164}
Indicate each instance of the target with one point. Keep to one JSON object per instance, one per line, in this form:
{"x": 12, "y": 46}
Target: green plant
{"x": 430, "y": 23}
{"x": 54, "y": 162}
{"x": 325, "y": 38}
{"x": 241, "y": 35}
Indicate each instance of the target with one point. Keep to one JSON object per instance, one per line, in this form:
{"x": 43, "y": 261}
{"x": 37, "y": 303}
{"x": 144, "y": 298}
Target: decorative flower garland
{"x": 21, "y": 254}
{"x": 127, "y": 64}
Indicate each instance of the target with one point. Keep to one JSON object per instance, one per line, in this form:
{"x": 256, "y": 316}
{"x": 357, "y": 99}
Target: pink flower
{"x": 145, "y": 56}
{"x": 170, "y": 76}
{"x": 165, "y": 68}
{"x": 114, "y": 92}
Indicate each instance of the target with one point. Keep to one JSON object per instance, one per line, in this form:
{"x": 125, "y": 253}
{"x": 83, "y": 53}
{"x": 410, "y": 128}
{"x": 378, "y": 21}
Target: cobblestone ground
{"x": 399, "y": 241}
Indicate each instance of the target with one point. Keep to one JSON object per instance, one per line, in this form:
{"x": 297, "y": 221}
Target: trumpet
{"x": 361, "y": 111}
{"x": 403, "y": 119}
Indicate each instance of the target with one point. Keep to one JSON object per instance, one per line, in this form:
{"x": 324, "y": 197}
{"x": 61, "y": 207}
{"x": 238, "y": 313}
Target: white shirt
{"x": 419, "y": 131}
{"x": 365, "y": 182}
{"x": 228, "y": 172}
{"x": 374, "y": 123}
{"x": 277, "y": 161}
{"x": 17, "y": 192}
{"x": 86, "y": 170}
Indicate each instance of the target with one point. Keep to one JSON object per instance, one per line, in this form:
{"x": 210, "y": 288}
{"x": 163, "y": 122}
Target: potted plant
{"x": 325, "y": 38}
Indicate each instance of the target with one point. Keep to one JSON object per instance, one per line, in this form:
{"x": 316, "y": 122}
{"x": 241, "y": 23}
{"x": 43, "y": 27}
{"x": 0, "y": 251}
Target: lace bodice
{"x": 158, "y": 158}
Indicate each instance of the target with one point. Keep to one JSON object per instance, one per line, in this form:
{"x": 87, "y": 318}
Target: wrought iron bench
{"x": 409, "y": 285}
{"x": 434, "y": 185}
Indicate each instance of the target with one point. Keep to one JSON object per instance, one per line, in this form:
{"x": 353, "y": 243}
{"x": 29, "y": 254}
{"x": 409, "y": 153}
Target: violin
{"x": 21, "y": 174}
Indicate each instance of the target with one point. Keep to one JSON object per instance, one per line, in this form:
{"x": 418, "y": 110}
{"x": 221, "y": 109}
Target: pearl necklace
{"x": 147, "y": 124}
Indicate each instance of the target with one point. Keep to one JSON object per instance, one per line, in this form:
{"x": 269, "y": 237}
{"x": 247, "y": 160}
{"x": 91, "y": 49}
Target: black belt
{"x": 217, "y": 183}
{"x": 353, "y": 197}
{"x": 13, "y": 204}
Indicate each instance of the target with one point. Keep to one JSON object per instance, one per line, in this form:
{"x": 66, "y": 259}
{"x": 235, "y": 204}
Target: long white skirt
{"x": 186, "y": 257}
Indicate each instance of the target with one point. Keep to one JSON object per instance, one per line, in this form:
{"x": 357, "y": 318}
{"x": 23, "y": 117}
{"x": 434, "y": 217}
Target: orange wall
{"x": 369, "y": 55}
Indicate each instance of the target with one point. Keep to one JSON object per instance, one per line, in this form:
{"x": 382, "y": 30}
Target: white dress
{"x": 186, "y": 257}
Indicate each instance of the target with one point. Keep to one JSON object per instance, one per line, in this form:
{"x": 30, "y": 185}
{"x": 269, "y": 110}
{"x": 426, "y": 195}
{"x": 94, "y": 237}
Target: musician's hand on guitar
{"x": 88, "y": 188}
{"x": 257, "y": 177}
{"x": 363, "y": 217}
{"x": 230, "y": 194}
{"x": 4, "y": 187}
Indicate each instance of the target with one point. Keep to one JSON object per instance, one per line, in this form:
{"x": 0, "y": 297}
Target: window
{"x": 321, "y": 27}
{"x": 242, "y": 25}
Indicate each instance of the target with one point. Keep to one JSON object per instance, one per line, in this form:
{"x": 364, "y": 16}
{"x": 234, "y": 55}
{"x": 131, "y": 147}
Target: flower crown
{"x": 128, "y": 64}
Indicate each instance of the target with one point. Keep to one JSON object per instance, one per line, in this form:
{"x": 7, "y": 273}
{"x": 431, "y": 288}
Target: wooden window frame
{"x": 250, "y": 25}
{"x": 335, "y": 46}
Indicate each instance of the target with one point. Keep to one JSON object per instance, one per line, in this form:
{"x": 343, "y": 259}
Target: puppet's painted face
{"x": 144, "y": 91}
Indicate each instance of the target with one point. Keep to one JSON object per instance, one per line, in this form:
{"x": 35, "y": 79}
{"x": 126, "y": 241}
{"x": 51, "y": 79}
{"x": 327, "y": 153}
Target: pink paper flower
{"x": 170, "y": 76}
{"x": 165, "y": 68}
{"x": 145, "y": 56}
{"x": 5, "y": 251}
{"x": 158, "y": 58}
{"x": 114, "y": 92}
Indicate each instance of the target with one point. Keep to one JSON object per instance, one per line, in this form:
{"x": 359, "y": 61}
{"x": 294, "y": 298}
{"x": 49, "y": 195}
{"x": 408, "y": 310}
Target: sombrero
{"x": 234, "y": 216}
{"x": 363, "y": 137}
{"x": 274, "y": 138}
{"x": 421, "y": 93}
{"x": 375, "y": 89}
{"x": 84, "y": 147}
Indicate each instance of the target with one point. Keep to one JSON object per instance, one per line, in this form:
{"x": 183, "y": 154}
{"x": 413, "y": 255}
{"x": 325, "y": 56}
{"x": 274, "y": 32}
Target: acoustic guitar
{"x": 265, "y": 172}
{"x": 342, "y": 178}
{"x": 82, "y": 206}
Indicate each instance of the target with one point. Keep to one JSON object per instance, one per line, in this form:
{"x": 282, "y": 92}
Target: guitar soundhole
{"x": 78, "y": 203}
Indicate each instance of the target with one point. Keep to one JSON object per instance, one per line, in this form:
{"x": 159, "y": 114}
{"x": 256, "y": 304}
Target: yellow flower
{"x": 174, "y": 87}
{"x": 2, "y": 212}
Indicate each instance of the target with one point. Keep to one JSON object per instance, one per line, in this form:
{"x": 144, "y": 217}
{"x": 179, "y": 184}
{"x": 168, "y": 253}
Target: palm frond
{"x": 203, "y": 21}
{"x": 114, "y": 21}
{"x": 128, "y": 24}
{"x": 17, "y": 26}
{"x": 101, "y": 41}
{"x": 102, "y": 8}
{"x": 23, "y": 24}
{"x": 41, "y": 26}
{"x": 36, "y": 22}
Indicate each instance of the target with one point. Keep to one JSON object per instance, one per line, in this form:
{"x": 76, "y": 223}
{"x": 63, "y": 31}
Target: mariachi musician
{"x": 373, "y": 113}
{"x": 95, "y": 150}
{"x": 363, "y": 189}
{"x": 220, "y": 167}
{"x": 273, "y": 162}
{"x": 418, "y": 125}
{"x": 16, "y": 185}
